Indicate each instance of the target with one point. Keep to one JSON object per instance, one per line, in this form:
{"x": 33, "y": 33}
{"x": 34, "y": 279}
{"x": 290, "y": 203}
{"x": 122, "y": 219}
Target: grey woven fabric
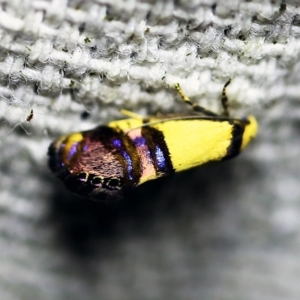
{"x": 221, "y": 231}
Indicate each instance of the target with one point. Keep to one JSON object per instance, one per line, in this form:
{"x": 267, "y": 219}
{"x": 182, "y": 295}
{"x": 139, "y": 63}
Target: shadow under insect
{"x": 83, "y": 223}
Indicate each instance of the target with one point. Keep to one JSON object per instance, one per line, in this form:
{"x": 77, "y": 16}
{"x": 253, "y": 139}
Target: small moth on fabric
{"x": 111, "y": 159}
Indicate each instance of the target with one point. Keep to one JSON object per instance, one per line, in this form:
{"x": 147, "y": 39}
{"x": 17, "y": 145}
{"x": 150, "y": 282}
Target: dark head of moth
{"x": 110, "y": 160}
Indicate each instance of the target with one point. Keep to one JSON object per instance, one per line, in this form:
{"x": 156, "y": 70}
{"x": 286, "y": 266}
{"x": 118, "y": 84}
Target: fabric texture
{"x": 221, "y": 231}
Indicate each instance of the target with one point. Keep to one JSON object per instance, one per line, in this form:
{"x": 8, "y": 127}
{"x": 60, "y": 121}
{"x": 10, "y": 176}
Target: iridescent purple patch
{"x": 161, "y": 161}
{"x": 72, "y": 151}
{"x": 140, "y": 141}
{"x": 118, "y": 144}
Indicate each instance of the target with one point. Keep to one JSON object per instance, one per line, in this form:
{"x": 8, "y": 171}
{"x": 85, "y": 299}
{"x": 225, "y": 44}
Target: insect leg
{"x": 224, "y": 100}
{"x": 131, "y": 114}
{"x": 195, "y": 106}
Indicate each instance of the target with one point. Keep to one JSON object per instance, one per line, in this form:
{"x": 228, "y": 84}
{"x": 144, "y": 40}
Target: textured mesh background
{"x": 222, "y": 231}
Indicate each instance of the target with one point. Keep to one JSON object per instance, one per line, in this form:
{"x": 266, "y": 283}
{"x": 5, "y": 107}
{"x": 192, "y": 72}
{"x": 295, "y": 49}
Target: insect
{"x": 28, "y": 119}
{"x": 29, "y": 116}
{"x": 111, "y": 159}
